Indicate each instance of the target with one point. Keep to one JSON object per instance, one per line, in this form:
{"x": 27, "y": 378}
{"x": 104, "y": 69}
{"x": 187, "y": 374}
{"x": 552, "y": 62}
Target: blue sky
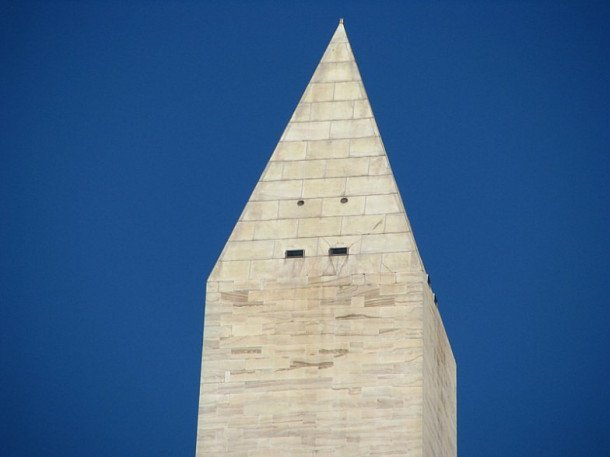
{"x": 132, "y": 135}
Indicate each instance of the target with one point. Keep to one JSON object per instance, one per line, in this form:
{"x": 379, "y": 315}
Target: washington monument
{"x": 322, "y": 336}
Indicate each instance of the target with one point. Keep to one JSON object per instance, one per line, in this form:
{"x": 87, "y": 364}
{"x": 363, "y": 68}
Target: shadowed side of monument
{"x": 321, "y": 333}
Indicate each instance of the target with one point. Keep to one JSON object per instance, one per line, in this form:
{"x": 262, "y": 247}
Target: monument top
{"x": 327, "y": 184}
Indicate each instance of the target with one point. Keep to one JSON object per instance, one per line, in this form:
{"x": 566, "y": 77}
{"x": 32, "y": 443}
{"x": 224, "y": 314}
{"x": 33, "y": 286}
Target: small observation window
{"x": 344, "y": 200}
{"x": 337, "y": 251}
{"x": 301, "y": 202}
{"x": 295, "y": 253}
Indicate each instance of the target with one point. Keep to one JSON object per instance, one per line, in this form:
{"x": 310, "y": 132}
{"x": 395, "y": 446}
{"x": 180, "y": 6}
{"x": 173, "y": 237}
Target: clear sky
{"x": 131, "y": 136}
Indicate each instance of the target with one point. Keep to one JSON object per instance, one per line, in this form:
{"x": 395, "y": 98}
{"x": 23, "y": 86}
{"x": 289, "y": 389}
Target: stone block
{"x": 247, "y": 250}
{"x": 362, "y": 109}
{"x": 332, "y": 110}
{"x": 364, "y": 262}
{"x": 275, "y": 229}
{"x": 370, "y": 185}
{"x": 401, "y": 261}
{"x": 336, "y": 71}
{"x": 298, "y": 131}
{"x": 265, "y": 269}
{"x": 273, "y": 171}
{"x": 275, "y": 190}
{"x": 337, "y": 52}
{"x": 259, "y": 211}
{"x": 305, "y": 169}
{"x": 320, "y": 92}
{"x": 290, "y": 150}
{"x": 354, "y": 128}
{"x": 381, "y": 204}
{"x": 301, "y": 113}
{"x": 363, "y": 147}
{"x": 396, "y": 223}
{"x": 379, "y": 166}
{"x": 328, "y": 149}
{"x": 347, "y": 167}
{"x": 230, "y": 270}
{"x": 362, "y": 225}
{"x": 319, "y": 226}
{"x": 244, "y": 230}
{"x": 246, "y": 330}
{"x": 352, "y": 90}
{"x": 327, "y": 187}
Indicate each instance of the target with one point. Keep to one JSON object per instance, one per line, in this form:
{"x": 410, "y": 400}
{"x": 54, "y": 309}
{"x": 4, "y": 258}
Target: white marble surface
{"x": 325, "y": 355}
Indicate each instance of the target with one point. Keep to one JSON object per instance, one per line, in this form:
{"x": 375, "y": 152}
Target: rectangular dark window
{"x": 292, "y": 253}
{"x": 337, "y": 251}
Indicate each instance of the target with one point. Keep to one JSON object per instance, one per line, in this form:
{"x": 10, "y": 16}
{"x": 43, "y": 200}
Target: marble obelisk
{"x": 322, "y": 336}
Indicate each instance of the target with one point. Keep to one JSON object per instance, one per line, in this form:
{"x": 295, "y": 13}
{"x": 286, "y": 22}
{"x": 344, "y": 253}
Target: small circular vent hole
{"x": 344, "y": 200}
{"x": 300, "y": 203}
